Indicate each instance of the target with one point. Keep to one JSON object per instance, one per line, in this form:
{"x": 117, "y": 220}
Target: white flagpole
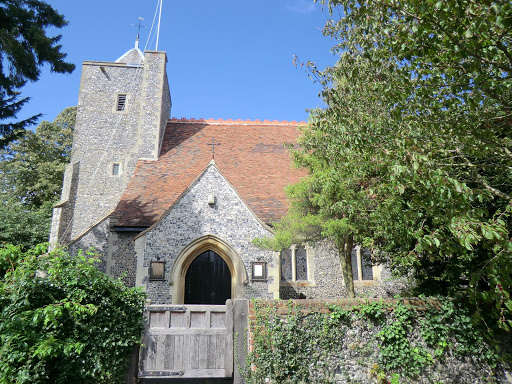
{"x": 158, "y": 30}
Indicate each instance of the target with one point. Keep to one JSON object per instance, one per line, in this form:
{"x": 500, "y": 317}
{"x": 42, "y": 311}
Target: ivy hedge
{"x": 395, "y": 342}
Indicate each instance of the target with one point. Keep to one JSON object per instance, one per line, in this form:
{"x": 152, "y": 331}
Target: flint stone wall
{"x": 353, "y": 360}
{"x": 96, "y": 240}
{"x": 191, "y": 218}
{"x": 327, "y": 281}
{"x": 105, "y": 136}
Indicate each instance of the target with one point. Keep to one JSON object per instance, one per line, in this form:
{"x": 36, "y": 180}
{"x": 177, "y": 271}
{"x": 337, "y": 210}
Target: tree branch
{"x": 481, "y": 180}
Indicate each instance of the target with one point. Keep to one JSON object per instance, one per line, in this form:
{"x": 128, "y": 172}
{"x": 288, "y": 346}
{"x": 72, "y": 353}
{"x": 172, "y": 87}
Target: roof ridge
{"x": 237, "y": 121}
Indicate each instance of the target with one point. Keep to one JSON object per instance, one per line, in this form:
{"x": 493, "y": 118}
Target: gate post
{"x": 131, "y": 370}
{"x": 240, "y": 329}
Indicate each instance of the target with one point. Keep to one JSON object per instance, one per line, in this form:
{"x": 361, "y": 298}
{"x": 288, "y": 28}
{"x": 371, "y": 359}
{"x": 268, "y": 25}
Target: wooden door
{"x": 187, "y": 341}
{"x": 208, "y": 280}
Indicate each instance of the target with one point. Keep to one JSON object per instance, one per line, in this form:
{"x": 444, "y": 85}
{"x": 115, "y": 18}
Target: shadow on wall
{"x": 286, "y": 293}
{"x": 136, "y": 212}
{"x": 96, "y": 240}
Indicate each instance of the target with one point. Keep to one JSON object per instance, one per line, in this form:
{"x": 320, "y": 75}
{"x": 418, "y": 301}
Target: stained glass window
{"x": 116, "y": 169}
{"x": 294, "y": 264}
{"x": 301, "y": 262}
{"x": 362, "y": 267}
{"x": 355, "y": 269}
{"x": 286, "y": 264}
{"x": 366, "y": 264}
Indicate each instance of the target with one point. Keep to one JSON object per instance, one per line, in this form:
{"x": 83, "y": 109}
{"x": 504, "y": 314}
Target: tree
{"x": 309, "y": 220}
{"x": 413, "y": 151}
{"x": 24, "y": 48}
{"x": 31, "y": 173}
{"x": 62, "y": 320}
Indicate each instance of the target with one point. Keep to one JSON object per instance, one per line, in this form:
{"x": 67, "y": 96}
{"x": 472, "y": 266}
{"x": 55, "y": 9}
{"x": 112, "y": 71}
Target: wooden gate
{"x": 184, "y": 341}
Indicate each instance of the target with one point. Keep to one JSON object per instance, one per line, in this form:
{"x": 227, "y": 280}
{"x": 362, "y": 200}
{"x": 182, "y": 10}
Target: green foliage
{"x": 305, "y": 347}
{"x": 22, "y": 225}
{"x": 62, "y": 320}
{"x": 397, "y": 351}
{"x": 25, "y": 46}
{"x": 412, "y": 155}
{"x": 31, "y": 173}
{"x": 449, "y": 328}
{"x": 312, "y": 218}
{"x": 287, "y": 349}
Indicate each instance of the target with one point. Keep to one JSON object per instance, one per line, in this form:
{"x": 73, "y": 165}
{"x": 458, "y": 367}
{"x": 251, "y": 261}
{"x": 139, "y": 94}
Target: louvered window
{"x": 121, "y": 102}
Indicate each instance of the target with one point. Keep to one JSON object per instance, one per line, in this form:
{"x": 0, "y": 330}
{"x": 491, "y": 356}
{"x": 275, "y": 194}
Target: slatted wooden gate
{"x": 186, "y": 341}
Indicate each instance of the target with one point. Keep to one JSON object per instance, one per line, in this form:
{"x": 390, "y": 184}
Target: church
{"x": 173, "y": 205}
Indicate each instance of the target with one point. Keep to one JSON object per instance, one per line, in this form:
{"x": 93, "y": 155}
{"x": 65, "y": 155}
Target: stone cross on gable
{"x": 213, "y": 144}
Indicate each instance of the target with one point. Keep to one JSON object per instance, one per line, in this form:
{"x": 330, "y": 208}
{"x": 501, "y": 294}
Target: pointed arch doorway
{"x": 208, "y": 280}
{"x": 236, "y": 275}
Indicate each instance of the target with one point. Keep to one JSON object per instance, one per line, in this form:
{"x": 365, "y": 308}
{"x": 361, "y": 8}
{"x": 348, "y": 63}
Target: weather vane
{"x": 213, "y": 144}
{"x": 139, "y": 26}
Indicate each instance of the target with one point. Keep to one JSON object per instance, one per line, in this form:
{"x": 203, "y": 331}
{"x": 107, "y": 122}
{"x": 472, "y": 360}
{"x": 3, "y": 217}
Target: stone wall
{"x": 122, "y": 257}
{"x": 353, "y": 357}
{"x": 116, "y": 250}
{"x": 155, "y": 106}
{"x": 96, "y": 240}
{"x": 326, "y": 281}
{"x": 105, "y": 136}
{"x": 192, "y": 218}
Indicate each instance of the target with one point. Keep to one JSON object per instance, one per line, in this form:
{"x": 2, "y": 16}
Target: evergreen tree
{"x": 24, "y": 48}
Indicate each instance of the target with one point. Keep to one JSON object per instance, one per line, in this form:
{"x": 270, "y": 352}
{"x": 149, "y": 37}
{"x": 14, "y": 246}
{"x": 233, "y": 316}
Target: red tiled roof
{"x": 251, "y": 156}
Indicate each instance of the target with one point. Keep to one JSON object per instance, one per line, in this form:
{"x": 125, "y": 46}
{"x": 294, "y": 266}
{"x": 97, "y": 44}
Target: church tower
{"x": 123, "y": 108}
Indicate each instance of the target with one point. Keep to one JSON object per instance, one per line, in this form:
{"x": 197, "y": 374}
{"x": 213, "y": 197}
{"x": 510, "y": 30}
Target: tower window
{"x": 116, "y": 169}
{"x": 121, "y": 102}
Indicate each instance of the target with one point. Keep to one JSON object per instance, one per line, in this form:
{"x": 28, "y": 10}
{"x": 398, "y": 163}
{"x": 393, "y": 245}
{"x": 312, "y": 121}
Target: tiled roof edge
{"x": 237, "y": 122}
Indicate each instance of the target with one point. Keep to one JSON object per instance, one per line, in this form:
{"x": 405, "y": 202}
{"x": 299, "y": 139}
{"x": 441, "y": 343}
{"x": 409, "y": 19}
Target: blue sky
{"x": 226, "y": 59}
